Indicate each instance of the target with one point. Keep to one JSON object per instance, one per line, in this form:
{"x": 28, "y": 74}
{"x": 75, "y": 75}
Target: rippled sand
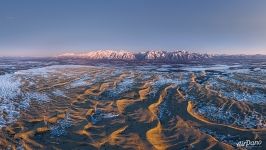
{"x": 86, "y": 107}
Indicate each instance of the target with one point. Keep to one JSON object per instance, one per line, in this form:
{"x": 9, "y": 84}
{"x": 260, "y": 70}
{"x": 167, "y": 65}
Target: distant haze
{"x": 51, "y": 27}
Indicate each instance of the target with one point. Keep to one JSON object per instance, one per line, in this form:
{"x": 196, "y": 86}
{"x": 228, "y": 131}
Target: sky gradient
{"x": 51, "y": 27}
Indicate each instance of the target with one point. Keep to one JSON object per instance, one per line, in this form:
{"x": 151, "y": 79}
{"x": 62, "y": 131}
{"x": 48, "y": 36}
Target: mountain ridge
{"x": 172, "y": 56}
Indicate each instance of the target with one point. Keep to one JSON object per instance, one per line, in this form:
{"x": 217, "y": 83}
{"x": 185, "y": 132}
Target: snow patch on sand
{"x": 60, "y": 128}
{"x": 121, "y": 87}
{"x": 9, "y": 86}
{"x": 9, "y": 90}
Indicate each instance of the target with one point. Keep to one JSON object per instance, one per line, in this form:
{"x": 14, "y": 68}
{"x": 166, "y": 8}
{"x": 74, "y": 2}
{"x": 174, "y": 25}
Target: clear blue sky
{"x": 49, "y": 27}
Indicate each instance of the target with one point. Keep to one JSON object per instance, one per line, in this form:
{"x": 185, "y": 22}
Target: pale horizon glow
{"x": 50, "y": 28}
{"x": 35, "y": 53}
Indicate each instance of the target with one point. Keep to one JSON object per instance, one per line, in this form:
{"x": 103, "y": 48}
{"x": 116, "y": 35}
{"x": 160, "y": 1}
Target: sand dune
{"x": 85, "y": 107}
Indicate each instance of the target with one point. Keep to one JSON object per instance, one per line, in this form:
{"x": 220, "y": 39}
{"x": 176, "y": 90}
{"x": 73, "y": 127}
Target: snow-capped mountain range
{"x": 102, "y": 54}
{"x": 164, "y": 56}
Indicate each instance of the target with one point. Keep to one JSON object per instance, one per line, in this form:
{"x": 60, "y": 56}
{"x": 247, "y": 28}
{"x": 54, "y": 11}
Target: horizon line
{"x": 125, "y": 50}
